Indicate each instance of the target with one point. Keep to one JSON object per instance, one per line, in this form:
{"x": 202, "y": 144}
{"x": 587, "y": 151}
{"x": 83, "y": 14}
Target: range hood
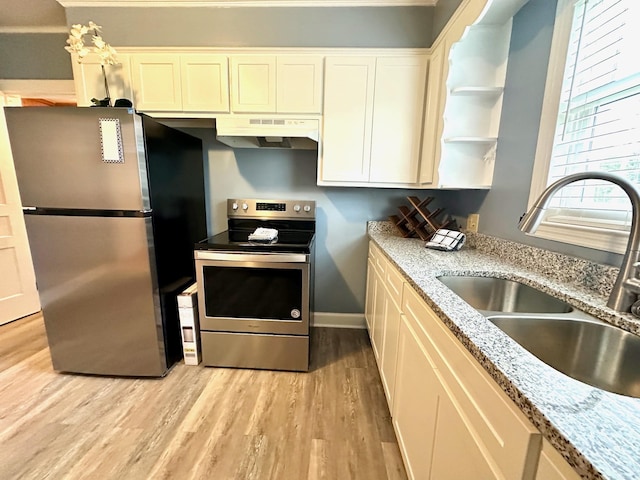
{"x": 275, "y": 131}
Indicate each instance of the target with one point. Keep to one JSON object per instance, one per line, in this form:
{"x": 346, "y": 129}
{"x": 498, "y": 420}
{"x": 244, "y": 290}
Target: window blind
{"x": 598, "y": 125}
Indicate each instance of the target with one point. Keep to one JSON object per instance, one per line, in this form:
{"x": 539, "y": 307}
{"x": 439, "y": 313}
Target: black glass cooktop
{"x": 295, "y": 241}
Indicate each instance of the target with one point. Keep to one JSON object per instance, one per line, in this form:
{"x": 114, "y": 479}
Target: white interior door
{"x": 18, "y": 294}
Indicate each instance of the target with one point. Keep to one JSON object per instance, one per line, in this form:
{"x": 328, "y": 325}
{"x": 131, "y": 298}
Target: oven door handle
{"x": 252, "y": 257}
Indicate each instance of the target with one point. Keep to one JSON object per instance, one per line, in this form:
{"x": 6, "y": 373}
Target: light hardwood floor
{"x": 206, "y": 423}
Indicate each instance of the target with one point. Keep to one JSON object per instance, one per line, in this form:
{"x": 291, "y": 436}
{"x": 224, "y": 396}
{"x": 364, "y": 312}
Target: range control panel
{"x": 254, "y": 208}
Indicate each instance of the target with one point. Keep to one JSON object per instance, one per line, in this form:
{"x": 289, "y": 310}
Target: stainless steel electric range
{"x": 255, "y": 295}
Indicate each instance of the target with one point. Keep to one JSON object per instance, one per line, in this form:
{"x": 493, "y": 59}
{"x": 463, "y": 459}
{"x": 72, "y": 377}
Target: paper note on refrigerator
{"x": 111, "y": 140}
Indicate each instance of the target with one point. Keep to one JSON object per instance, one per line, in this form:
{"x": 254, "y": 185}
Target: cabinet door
{"x": 552, "y": 466}
{"x": 156, "y": 82}
{"x": 456, "y": 454}
{"x": 392, "y": 321}
{"x": 299, "y": 84}
{"x": 205, "y": 83}
{"x": 416, "y": 402}
{"x": 377, "y": 336}
{"x": 348, "y": 112}
{"x": 432, "y": 116}
{"x": 89, "y": 81}
{"x": 369, "y": 308}
{"x": 397, "y": 119}
{"x": 253, "y": 83}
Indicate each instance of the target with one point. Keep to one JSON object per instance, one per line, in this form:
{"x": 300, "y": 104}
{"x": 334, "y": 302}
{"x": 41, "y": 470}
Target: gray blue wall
{"x": 34, "y": 56}
{"x": 522, "y": 105}
{"x": 262, "y": 27}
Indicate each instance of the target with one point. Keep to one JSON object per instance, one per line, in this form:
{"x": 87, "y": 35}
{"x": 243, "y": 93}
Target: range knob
{"x": 307, "y": 208}
{"x": 245, "y": 207}
{"x": 296, "y": 208}
{"x": 234, "y": 205}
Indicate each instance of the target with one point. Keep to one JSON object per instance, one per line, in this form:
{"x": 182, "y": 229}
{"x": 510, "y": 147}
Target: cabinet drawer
{"x": 393, "y": 281}
{"x": 506, "y": 434}
{"x": 377, "y": 257}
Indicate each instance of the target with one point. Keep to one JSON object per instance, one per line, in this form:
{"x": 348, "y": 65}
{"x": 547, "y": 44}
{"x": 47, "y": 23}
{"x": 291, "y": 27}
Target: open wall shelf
{"x": 476, "y": 66}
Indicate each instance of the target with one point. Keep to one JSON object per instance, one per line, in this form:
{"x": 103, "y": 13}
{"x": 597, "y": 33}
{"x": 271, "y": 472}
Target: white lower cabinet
{"x": 451, "y": 419}
{"x": 371, "y": 296}
{"x": 379, "y": 320}
{"x": 416, "y": 403}
{"x": 384, "y": 296}
{"x": 389, "y": 357}
{"x": 480, "y": 437}
{"x": 552, "y": 466}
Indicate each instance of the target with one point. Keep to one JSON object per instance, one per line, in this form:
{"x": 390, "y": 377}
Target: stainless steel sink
{"x": 588, "y": 350}
{"x": 569, "y": 340}
{"x": 500, "y": 295}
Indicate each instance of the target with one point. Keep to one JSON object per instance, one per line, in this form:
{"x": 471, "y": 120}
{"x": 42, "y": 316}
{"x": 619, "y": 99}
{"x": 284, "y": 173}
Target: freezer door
{"x": 99, "y": 295}
{"x": 58, "y": 155}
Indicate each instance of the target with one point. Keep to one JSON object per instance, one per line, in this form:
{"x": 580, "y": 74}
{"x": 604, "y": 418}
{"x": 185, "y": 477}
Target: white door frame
{"x": 18, "y": 293}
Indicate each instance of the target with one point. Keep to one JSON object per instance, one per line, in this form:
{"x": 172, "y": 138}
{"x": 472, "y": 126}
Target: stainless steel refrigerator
{"x": 113, "y": 203}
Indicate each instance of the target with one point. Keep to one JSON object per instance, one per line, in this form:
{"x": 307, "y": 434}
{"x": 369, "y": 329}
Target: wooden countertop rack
{"x": 419, "y": 220}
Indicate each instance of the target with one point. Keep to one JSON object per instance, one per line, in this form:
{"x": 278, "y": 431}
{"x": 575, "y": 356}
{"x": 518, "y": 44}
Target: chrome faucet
{"x": 627, "y": 286}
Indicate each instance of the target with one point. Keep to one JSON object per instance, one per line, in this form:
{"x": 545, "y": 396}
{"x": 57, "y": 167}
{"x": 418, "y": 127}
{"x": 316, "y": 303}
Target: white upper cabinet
{"x": 205, "y": 83}
{"x": 299, "y": 84}
{"x": 253, "y": 83}
{"x": 276, "y": 84}
{"x": 372, "y": 120}
{"x": 348, "y": 116}
{"x": 156, "y": 81}
{"x": 89, "y": 81}
{"x": 176, "y": 82}
{"x": 397, "y": 119}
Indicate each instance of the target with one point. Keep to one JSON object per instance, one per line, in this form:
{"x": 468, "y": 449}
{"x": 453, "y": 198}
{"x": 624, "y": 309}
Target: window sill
{"x": 590, "y": 237}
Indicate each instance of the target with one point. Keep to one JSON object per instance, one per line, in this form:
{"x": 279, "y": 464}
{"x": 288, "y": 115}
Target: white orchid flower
{"x": 106, "y": 53}
{"x": 99, "y": 42}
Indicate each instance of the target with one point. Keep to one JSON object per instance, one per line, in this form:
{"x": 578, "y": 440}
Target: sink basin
{"x": 500, "y": 295}
{"x": 591, "y": 351}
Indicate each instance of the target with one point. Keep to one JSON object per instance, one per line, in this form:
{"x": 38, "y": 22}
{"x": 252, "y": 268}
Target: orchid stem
{"x": 106, "y": 86}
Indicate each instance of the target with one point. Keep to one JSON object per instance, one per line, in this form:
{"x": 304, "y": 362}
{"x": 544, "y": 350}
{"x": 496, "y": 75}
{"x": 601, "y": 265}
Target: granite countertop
{"x": 597, "y": 432}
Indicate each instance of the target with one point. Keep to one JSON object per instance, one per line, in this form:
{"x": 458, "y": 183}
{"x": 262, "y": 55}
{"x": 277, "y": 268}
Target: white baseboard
{"x": 338, "y": 320}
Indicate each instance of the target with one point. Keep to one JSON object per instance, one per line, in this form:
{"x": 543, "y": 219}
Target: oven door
{"x": 253, "y": 293}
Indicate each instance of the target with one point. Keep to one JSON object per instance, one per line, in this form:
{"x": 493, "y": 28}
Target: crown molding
{"x": 247, "y": 3}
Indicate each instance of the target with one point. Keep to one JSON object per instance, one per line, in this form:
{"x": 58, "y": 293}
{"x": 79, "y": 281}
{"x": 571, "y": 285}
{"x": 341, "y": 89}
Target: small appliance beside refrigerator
{"x": 113, "y": 203}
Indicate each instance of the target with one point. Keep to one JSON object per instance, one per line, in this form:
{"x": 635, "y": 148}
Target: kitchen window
{"x": 591, "y": 122}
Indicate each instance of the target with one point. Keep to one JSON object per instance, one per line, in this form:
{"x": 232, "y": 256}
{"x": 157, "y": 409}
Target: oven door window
{"x": 240, "y": 292}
